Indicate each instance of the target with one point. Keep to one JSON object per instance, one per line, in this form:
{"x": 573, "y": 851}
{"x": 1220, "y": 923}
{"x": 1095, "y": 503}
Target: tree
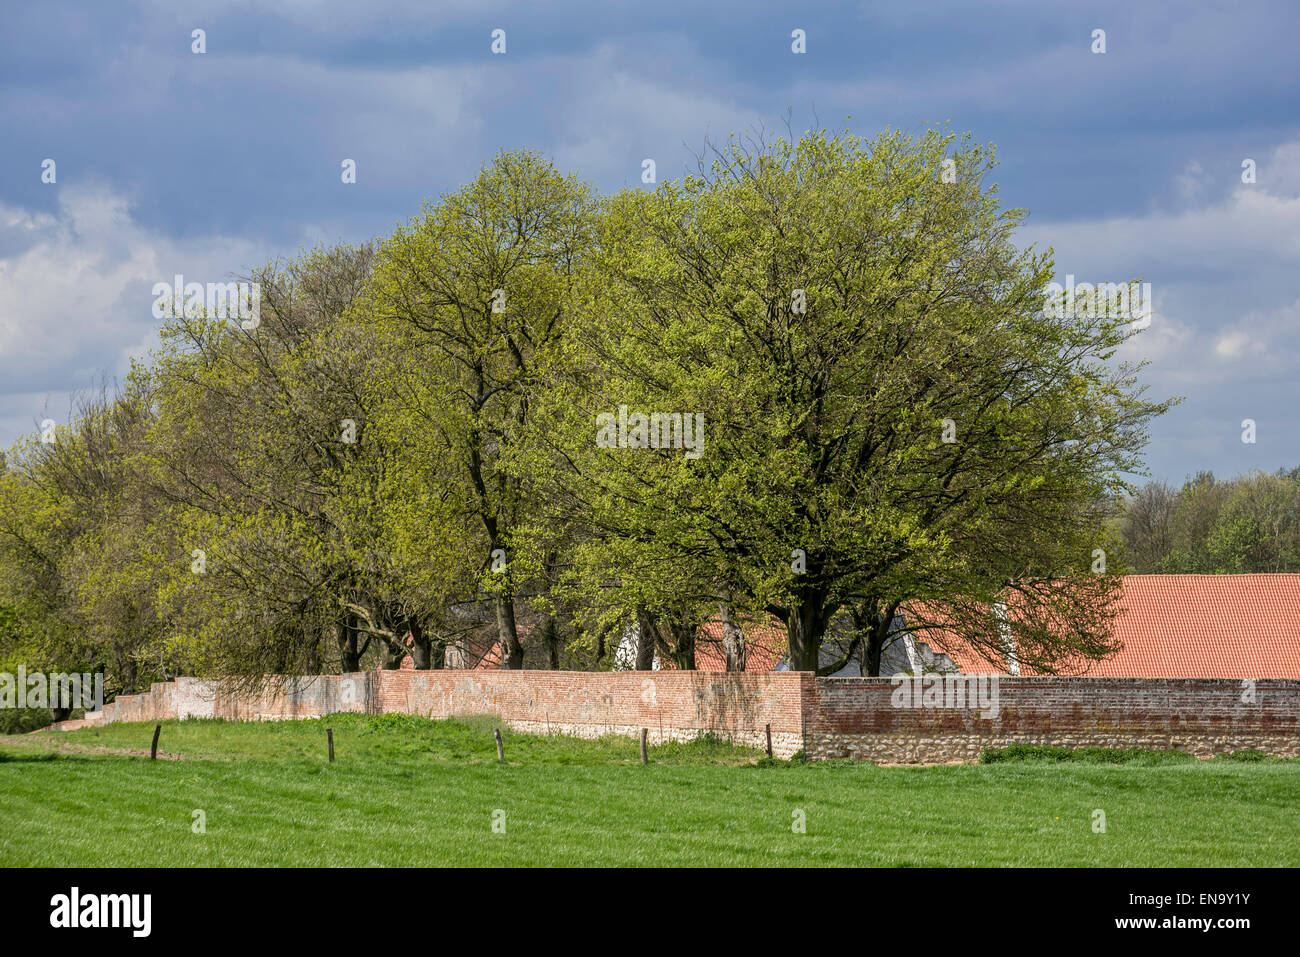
{"x": 480, "y": 289}
{"x": 832, "y": 312}
{"x": 816, "y": 381}
{"x": 262, "y": 444}
{"x": 1148, "y": 526}
{"x": 79, "y": 541}
{"x": 1250, "y": 523}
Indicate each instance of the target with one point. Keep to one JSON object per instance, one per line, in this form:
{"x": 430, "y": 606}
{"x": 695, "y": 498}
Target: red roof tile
{"x": 765, "y": 644}
{"x": 1195, "y": 626}
{"x": 1171, "y": 626}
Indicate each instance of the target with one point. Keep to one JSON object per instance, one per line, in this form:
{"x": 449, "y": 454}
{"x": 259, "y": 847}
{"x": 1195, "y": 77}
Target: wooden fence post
{"x": 645, "y": 759}
{"x": 501, "y": 748}
{"x": 329, "y": 736}
{"x": 769, "y": 740}
{"x": 153, "y": 751}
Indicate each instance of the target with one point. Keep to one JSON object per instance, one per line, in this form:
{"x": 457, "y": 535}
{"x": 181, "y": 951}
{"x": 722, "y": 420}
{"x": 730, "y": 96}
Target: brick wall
{"x": 671, "y": 706}
{"x": 677, "y": 705}
{"x": 280, "y": 698}
{"x": 861, "y": 718}
{"x": 156, "y": 704}
{"x": 826, "y": 717}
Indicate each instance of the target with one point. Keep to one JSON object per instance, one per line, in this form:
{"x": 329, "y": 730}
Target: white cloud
{"x": 75, "y": 295}
{"x": 1225, "y": 307}
{"x": 1249, "y": 228}
{"x": 1231, "y": 345}
{"x": 1192, "y": 182}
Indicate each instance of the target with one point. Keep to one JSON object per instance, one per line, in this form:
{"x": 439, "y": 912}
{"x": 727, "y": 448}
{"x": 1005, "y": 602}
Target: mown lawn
{"x": 408, "y": 791}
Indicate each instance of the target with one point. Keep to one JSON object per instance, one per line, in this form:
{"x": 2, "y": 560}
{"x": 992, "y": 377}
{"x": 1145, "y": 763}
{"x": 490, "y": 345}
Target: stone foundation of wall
{"x": 864, "y": 718}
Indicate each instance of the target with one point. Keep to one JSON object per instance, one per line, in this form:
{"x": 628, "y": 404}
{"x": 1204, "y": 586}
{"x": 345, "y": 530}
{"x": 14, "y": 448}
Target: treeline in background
{"x": 1250, "y": 523}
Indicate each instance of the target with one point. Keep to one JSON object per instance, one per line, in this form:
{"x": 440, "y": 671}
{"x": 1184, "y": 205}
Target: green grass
{"x": 1139, "y": 756}
{"x": 409, "y": 791}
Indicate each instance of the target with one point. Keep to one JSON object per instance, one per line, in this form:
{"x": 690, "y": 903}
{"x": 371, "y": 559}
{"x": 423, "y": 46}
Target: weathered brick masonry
{"x": 672, "y": 706}
{"x": 825, "y": 717}
{"x": 853, "y": 717}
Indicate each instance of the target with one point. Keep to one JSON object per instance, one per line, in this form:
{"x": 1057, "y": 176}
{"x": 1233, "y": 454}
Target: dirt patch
{"x": 52, "y": 743}
{"x": 71, "y": 724}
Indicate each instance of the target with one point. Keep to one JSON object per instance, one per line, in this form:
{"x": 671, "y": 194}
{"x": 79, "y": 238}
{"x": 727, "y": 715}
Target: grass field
{"x": 409, "y": 791}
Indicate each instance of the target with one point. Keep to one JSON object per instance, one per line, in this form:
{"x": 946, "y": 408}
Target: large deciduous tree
{"x": 480, "y": 289}
{"x": 890, "y": 416}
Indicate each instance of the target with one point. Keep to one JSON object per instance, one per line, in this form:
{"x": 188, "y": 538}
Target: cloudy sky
{"x": 1130, "y": 162}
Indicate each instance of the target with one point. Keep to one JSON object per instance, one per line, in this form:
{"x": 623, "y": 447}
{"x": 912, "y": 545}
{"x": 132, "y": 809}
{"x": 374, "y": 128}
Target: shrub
{"x": 23, "y": 720}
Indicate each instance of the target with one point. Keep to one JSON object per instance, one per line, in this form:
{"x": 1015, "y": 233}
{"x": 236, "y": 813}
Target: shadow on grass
{"x": 7, "y": 757}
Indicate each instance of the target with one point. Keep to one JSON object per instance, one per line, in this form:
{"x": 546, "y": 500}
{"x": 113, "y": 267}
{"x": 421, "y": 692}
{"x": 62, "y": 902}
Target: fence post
{"x": 501, "y": 749}
{"x": 153, "y": 751}
{"x": 329, "y": 735}
{"x": 769, "y": 740}
{"x": 645, "y": 759}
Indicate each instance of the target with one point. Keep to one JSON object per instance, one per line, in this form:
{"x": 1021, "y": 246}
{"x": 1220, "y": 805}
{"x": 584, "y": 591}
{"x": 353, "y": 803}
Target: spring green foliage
{"x": 404, "y": 454}
{"x": 475, "y": 297}
{"x": 80, "y": 539}
{"x": 825, "y": 308}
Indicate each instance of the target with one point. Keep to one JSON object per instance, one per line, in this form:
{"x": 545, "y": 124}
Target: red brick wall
{"x": 670, "y": 705}
{"x": 156, "y": 704}
{"x": 825, "y": 717}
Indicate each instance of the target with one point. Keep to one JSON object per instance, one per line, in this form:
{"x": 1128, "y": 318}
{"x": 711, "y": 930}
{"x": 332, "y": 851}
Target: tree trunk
{"x": 128, "y": 675}
{"x": 876, "y": 634}
{"x": 346, "y": 638}
{"x": 512, "y": 652}
{"x": 733, "y": 640}
{"x": 645, "y": 640}
{"x": 392, "y": 653}
{"x": 551, "y": 639}
{"x": 421, "y": 646}
{"x": 878, "y": 623}
{"x": 683, "y": 649}
{"x": 804, "y": 629}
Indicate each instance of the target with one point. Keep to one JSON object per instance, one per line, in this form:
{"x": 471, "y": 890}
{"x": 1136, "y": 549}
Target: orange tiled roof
{"x": 1171, "y": 626}
{"x": 1195, "y": 626}
{"x": 765, "y": 644}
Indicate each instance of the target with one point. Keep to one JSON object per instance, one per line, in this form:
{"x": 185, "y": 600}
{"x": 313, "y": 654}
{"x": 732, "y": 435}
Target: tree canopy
{"x": 814, "y": 382}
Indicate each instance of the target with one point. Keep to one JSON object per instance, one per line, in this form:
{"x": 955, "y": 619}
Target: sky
{"x": 1130, "y": 162}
